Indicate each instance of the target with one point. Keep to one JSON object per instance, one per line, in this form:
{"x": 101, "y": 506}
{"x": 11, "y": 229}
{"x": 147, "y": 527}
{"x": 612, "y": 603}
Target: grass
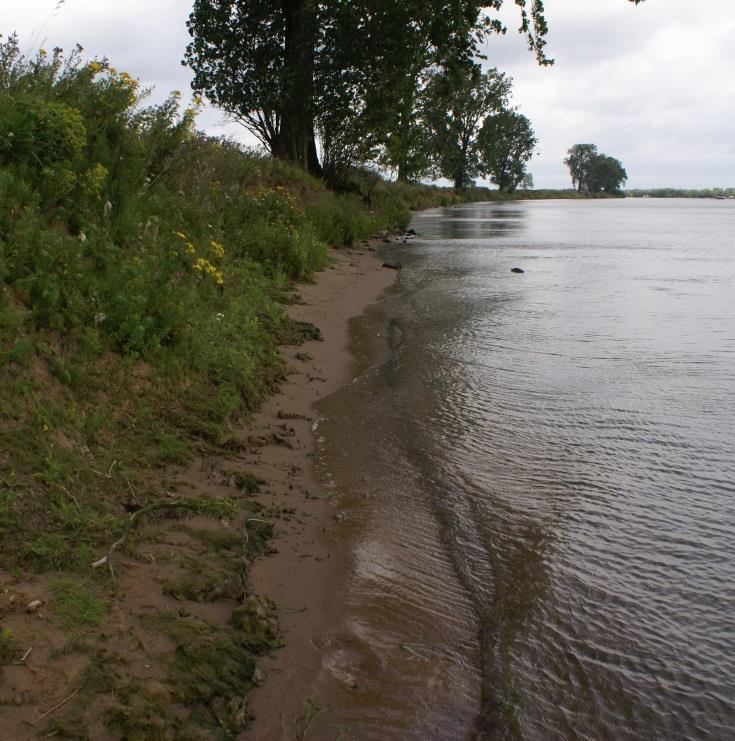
{"x": 8, "y": 646}
{"x": 76, "y": 603}
{"x": 210, "y": 671}
{"x": 311, "y": 712}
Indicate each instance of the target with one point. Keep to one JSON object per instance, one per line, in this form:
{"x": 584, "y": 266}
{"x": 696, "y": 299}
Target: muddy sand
{"x": 297, "y": 577}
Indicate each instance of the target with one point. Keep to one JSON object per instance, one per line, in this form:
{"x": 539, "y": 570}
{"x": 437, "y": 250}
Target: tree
{"x": 593, "y": 172}
{"x": 461, "y": 99}
{"x": 506, "y": 144}
{"x": 255, "y": 60}
{"x": 607, "y": 175}
{"x": 418, "y": 40}
{"x": 286, "y": 69}
{"x": 579, "y": 159}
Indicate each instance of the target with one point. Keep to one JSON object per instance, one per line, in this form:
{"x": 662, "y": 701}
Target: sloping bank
{"x": 144, "y": 272}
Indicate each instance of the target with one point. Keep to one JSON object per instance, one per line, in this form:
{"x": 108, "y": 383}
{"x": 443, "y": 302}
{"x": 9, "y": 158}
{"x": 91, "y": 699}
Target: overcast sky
{"x": 653, "y": 85}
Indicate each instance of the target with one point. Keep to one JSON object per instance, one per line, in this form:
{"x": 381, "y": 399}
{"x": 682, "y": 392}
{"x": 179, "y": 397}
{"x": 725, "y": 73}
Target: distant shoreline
{"x": 723, "y": 194}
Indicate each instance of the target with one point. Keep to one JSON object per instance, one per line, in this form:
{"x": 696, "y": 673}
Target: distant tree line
{"x": 682, "y": 193}
{"x": 334, "y": 83}
{"x": 594, "y": 172}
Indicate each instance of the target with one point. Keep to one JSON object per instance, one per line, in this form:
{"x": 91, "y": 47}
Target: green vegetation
{"x": 291, "y": 70}
{"x": 76, "y": 602}
{"x": 460, "y": 99}
{"x": 210, "y": 672}
{"x": 506, "y": 144}
{"x": 593, "y": 172}
{"x": 361, "y": 77}
{"x": 8, "y": 646}
{"x": 142, "y": 269}
{"x": 682, "y": 193}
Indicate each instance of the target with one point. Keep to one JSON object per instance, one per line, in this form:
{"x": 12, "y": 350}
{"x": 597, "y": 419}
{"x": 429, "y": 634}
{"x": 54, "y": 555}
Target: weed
{"x": 219, "y": 507}
{"x": 296, "y": 333}
{"x": 8, "y": 647}
{"x": 141, "y": 721}
{"x": 247, "y": 483}
{"x": 210, "y": 586}
{"x": 18, "y": 353}
{"x": 171, "y": 449}
{"x": 217, "y": 541}
{"x": 76, "y": 603}
{"x": 73, "y": 728}
{"x": 77, "y": 644}
{"x": 210, "y": 671}
{"x": 101, "y": 673}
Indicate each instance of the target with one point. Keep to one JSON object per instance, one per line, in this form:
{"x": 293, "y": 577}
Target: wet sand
{"x": 298, "y": 576}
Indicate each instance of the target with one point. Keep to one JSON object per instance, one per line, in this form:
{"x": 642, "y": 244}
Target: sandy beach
{"x": 296, "y": 577}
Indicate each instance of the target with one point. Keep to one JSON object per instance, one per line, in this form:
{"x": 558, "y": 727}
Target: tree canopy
{"x": 352, "y": 74}
{"x": 461, "y": 98}
{"x": 593, "y": 172}
{"x": 506, "y": 144}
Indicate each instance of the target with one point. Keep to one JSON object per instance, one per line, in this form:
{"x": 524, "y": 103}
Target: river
{"x": 538, "y": 478}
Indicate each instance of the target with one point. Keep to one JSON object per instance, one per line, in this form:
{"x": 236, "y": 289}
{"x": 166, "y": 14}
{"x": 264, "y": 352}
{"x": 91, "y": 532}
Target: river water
{"x": 538, "y": 479}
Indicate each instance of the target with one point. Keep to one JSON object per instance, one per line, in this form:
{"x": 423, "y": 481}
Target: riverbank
{"x": 146, "y": 275}
{"x": 186, "y": 581}
{"x": 296, "y": 578}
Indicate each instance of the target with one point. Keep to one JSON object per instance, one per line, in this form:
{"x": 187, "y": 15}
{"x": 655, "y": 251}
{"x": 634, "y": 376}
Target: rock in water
{"x": 517, "y": 270}
{"x": 393, "y": 264}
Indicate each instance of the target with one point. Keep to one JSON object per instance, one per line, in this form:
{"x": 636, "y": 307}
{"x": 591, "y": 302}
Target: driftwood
{"x": 56, "y": 707}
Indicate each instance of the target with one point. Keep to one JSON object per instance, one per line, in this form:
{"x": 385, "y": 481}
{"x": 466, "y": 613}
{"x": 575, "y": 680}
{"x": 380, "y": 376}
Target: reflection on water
{"x": 471, "y": 221}
{"x": 539, "y": 482}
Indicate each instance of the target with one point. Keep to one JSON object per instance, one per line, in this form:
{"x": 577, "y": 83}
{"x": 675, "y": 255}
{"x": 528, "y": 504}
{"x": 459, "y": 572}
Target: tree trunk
{"x": 404, "y": 133}
{"x": 296, "y": 141}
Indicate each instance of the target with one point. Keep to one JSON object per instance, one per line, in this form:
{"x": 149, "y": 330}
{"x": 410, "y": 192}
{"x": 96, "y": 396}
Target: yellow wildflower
{"x": 93, "y": 179}
{"x": 217, "y": 249}
{"x": 180, "y": 235}
{"x": 204, "y": 266}
{"x": 95, "y": 67}
{"x": 190, "y": 248}
{"x": 131, "y": 82}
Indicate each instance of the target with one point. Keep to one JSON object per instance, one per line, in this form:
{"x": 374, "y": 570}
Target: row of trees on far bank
{"x": 397, "y": 85}
{"x": 594, "y": 172}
